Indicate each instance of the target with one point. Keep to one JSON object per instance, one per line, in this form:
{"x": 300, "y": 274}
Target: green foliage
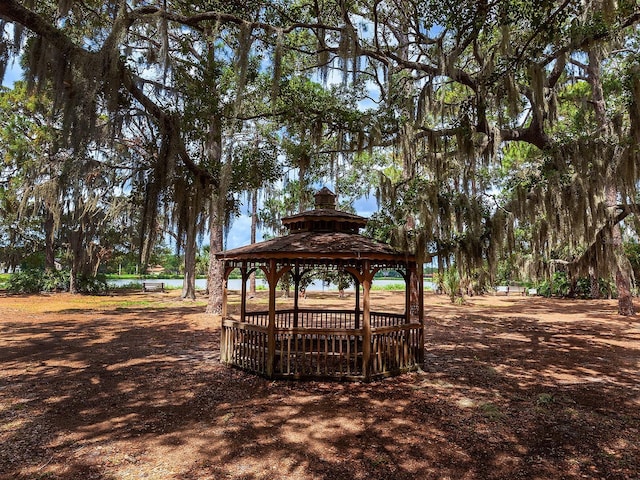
{"x": 390, "y": 287}
{"x": 92, "y": 285}
{"x": 451, "y": 284}
{"x": 53, "y": 280}
{"x": 507, "y": 270}
{"x": 26, "y": 281}
{"x": 341, "y": 280}
{"x": 482, "y": 122}
{"x": 560, "y": 286}
{"x": 38, "y": 280}
{"x": 632, "y": 251}
{"x": 545, "y": 400}
{"x": 32, "y": 280}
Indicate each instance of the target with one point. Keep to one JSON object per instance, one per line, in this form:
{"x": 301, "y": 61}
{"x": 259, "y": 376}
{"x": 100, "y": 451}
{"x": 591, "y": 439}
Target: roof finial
{"x": 325, "y": 199}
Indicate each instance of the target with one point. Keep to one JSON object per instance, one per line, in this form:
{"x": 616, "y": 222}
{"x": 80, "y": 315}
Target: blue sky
{"x": 12, "y": 74}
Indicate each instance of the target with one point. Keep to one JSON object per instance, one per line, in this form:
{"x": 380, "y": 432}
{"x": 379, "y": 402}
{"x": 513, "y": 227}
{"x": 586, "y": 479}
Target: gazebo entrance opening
{"x": 356, "y": 343}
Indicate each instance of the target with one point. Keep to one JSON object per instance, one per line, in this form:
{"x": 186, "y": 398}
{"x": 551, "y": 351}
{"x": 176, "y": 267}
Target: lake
{"x": 236, "y": 283}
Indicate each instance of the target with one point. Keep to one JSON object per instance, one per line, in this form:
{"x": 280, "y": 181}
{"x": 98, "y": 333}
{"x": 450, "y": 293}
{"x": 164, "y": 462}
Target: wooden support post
{"x": 272, "y": 279}
{"x": 408, "y": 292}
{"x": 421, "y": 314}
{"x": 224, "y": 299}
{"x": 225, "y": 294}
{"x": 225, "y": 354}
{"x": 366, "y": 331}
{"x": 367, "y": 278}
{"x": 357, "y": 311}
{"x": 296, "y": 293}
{"x": 243, "y": 293}
{"x": 273, "y": 275}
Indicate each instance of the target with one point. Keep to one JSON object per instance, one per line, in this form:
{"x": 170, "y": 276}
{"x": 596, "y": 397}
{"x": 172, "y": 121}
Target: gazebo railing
{"x": 319, "y": 350}
{"x": 302, "y": 352}
{"x": 308, "y": 318}
{"x": 396, "y": 348}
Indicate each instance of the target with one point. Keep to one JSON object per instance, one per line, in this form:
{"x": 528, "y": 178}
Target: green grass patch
{"x": 491, "y": 411}
{"x": 135, "y": 303}
{"x": 391, "y": 287}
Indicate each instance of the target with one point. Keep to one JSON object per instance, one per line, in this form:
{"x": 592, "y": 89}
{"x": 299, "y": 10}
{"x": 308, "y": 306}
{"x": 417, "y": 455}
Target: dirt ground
{"x": 130, "y": 387}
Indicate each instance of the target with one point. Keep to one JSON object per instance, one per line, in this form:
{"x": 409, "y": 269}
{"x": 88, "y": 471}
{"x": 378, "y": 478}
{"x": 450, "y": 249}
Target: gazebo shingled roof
{"x": 354, "y": 344}
{"x": 316, "y": 245}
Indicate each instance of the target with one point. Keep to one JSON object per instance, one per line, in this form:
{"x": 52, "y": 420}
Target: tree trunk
{"x": 622, "y": 266}
{"x": 189, "y": 282}
{"x": 625, "y": 300}
{"x": 215, "y": 277}
{"x": 254, "y": 226}
{"x": 622, "y": 273}
{"x": 594, "y": 284}
{"x": 75, "y": 244}
{"x": 49, "y": 233}
{"x": 623, "y": 270}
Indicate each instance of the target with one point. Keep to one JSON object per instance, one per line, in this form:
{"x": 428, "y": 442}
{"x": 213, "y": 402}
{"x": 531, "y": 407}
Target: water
{"x": 236, "y": 283}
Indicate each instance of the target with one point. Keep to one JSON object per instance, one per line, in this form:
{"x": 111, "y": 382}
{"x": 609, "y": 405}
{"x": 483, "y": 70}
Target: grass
{"x": 391, "y": 287}
{"x": 491, "y": 411}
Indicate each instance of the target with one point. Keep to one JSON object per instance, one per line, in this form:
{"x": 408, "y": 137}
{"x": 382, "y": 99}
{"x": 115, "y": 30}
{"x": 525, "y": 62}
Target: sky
{"x": 12, "y": 74}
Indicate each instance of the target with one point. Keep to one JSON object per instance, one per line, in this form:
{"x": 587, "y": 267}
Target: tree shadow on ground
{"x": 140, "y": 393}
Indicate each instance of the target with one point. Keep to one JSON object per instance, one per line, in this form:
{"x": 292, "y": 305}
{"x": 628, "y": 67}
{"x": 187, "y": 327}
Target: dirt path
{"x": 130, "y": 387}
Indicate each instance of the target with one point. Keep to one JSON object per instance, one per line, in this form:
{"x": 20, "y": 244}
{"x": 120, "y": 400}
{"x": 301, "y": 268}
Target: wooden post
{"x": 421, "y": 313}
{"x": 296, "y": 293}
{"x": 225, "y": 354}
{"x": 224, "y": 299}
{"x": 243, "y": 293}
{"x": 227, "y": 271}
{"x": 367, "y": 278}
{"x": 273, "y": 275}
{"x": 272, "y": 279}
{"x": 408, "y": 292}
{"x": 357, "y": 311}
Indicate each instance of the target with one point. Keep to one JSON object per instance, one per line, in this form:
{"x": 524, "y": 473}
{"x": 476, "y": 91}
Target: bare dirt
{"x": 130, "y": 387}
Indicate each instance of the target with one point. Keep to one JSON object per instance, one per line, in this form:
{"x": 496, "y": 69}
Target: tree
{"x": 71, "y": 196}
{"x": 144, "y": 58}
{"x": 463, "y": 83}
{"x": 453, "y": 84}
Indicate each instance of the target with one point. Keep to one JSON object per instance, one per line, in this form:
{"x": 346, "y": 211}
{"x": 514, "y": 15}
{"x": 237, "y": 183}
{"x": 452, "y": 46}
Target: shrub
{"x": 55, "y": 280}
{"x": 26, "y": 281}
{"x": 560, "y": 286}
{"x": 451, "y": 283}
{"x": 97, "y": 284}
{"x": 37, "y": 280}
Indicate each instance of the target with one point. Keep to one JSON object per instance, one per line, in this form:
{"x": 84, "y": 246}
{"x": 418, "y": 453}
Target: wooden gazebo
{"x": 353, "y": 344}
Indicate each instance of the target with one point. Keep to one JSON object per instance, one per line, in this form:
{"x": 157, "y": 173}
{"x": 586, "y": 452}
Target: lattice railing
{"x": 313, "y": 349}
{"x": 343, "y": 319}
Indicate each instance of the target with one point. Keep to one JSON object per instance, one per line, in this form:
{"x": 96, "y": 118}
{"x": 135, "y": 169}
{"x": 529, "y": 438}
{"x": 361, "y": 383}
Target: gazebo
{"x": 350, "y": 344}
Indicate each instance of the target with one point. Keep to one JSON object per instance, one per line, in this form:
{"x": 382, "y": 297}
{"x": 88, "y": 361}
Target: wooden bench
{"x": 153, "y": 286}
{"x": 507, "y": 289}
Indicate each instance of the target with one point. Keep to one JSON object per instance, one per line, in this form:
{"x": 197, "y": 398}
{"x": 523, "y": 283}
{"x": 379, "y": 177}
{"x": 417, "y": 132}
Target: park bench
{"x": 153, "y": 286}
{"x": 507, "y": 289}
